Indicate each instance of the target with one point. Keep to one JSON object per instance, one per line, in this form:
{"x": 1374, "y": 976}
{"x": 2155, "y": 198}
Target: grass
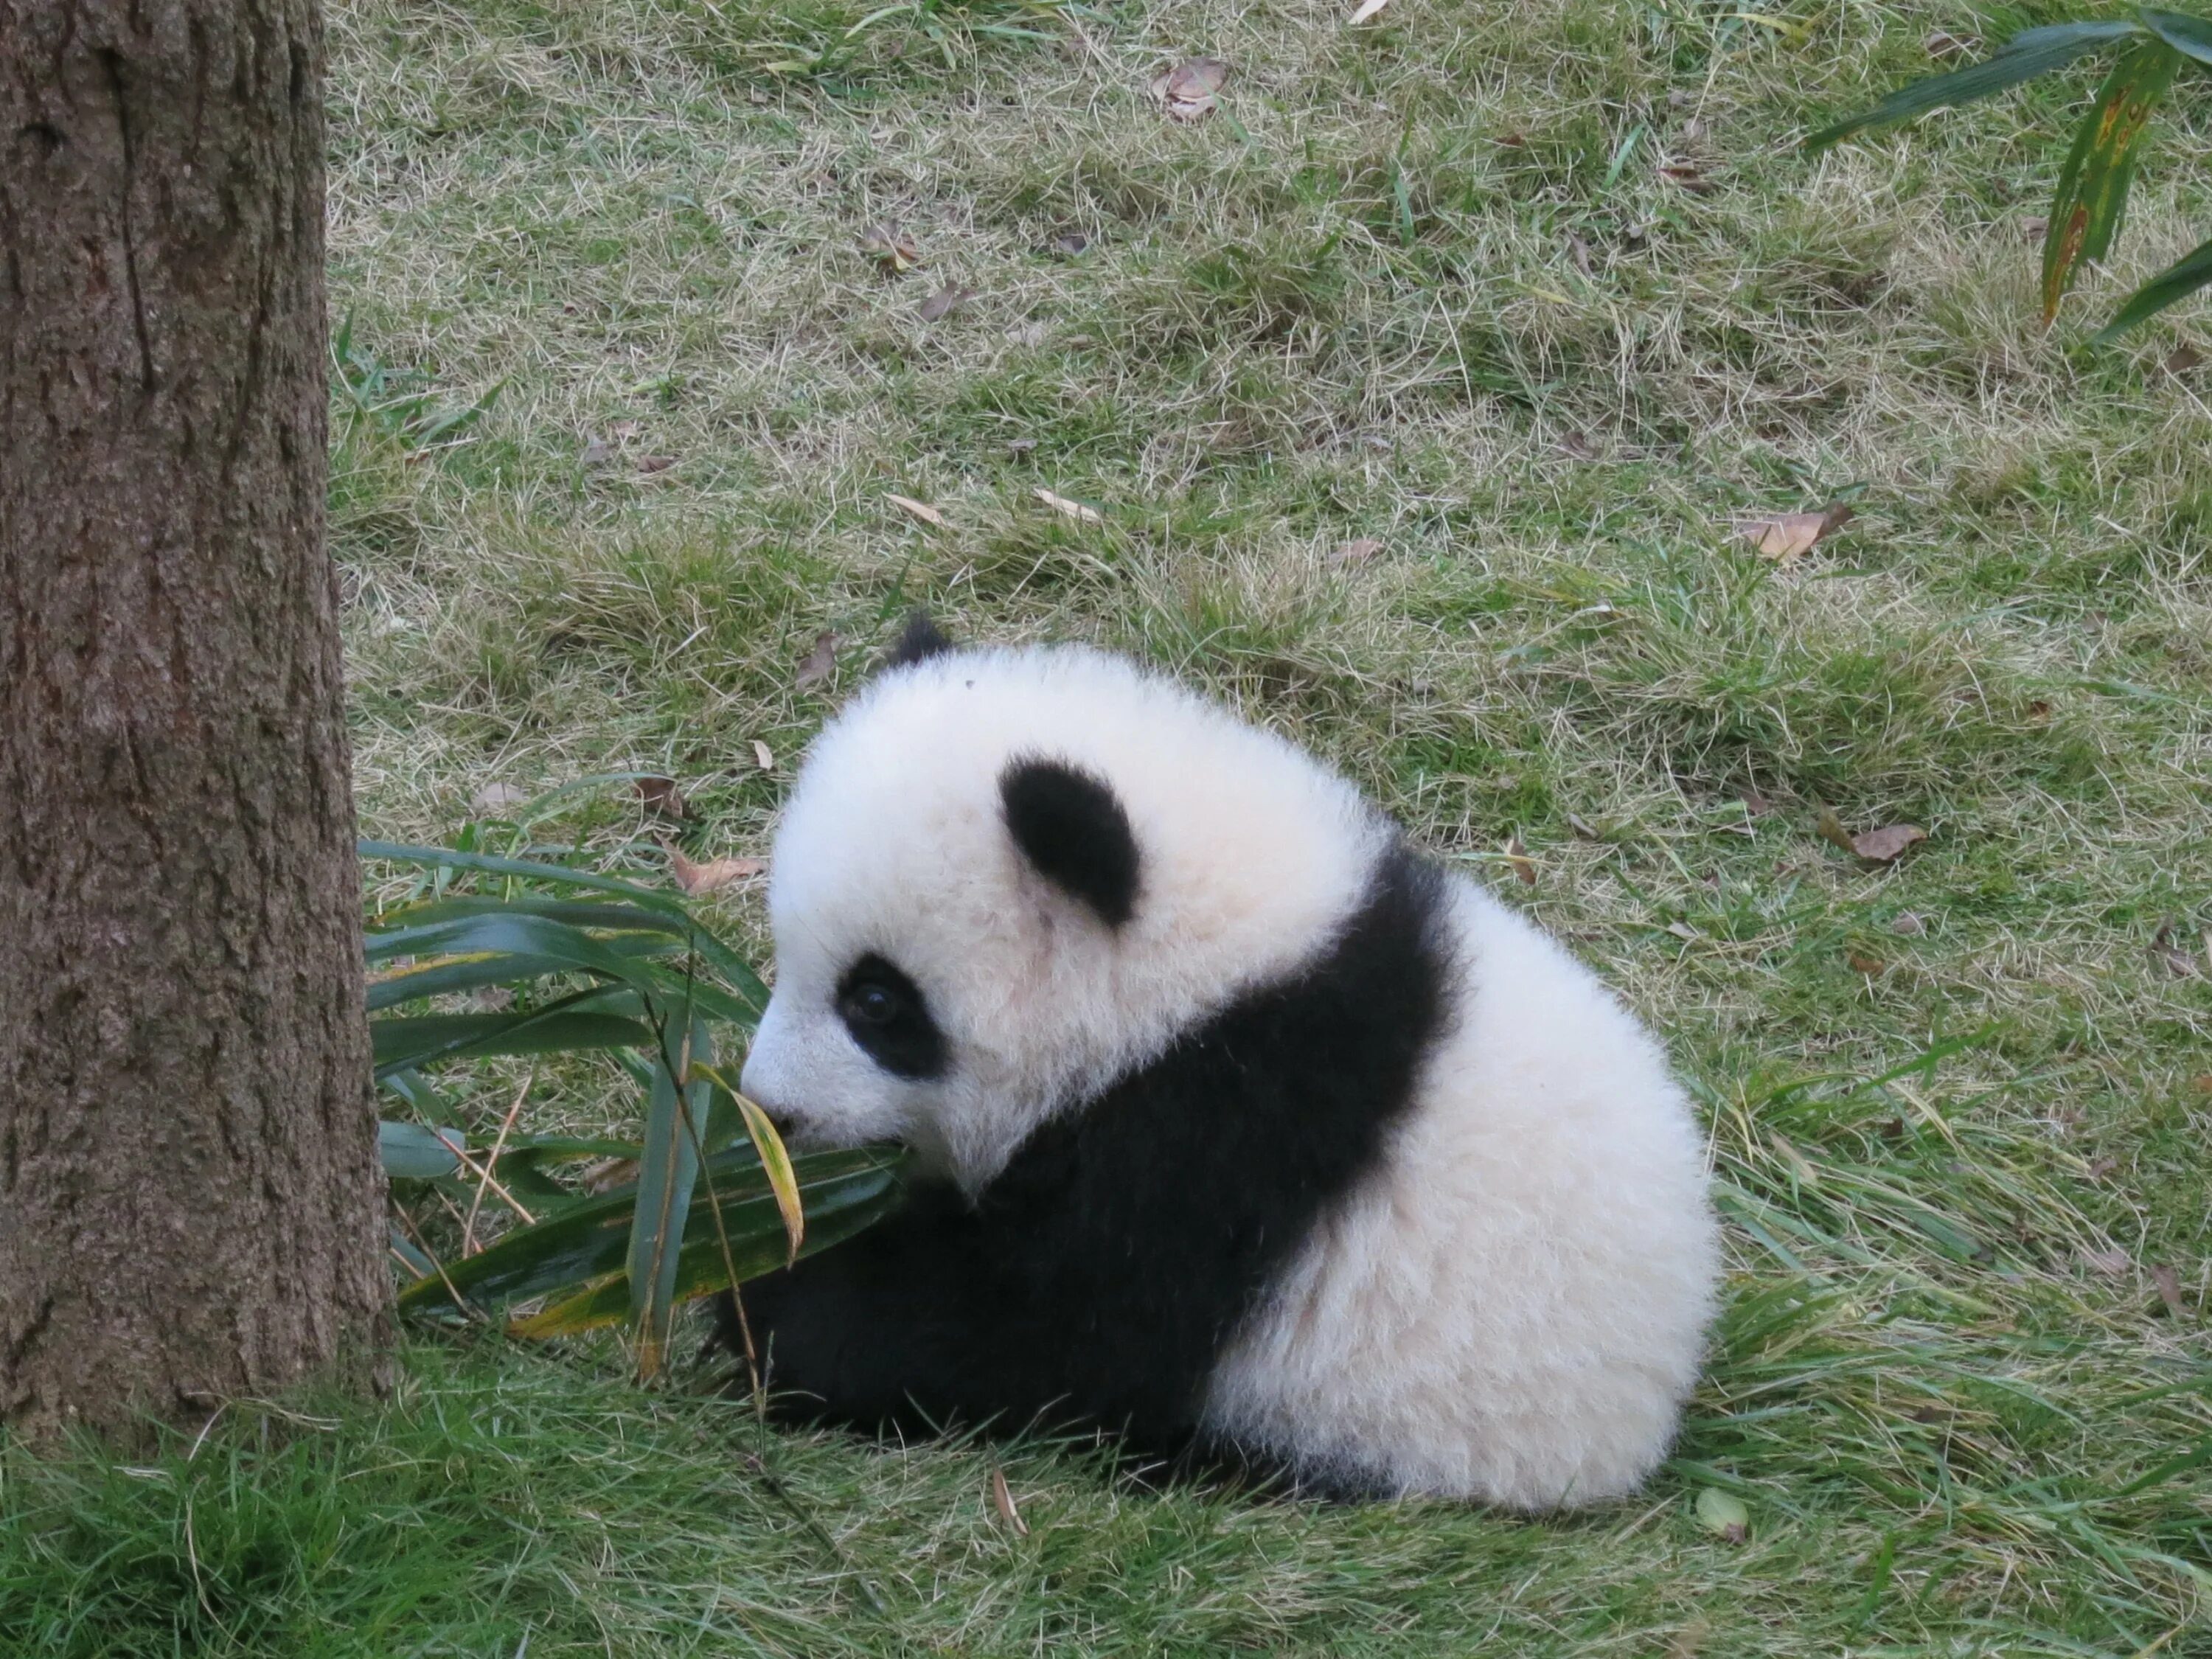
{"x": 1423, "y": 281}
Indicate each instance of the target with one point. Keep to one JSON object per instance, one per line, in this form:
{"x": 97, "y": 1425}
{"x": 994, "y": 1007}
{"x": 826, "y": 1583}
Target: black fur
{"x": 1071, "y": 827}
{"x": 918, "y": 641}
{"x": 885, "y": 1011}
{"x": 1096, "y": 1281}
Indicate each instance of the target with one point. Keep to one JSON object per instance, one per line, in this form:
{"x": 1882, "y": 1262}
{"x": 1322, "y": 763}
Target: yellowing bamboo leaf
{"x": 921, "y": 510}
{"x": 891, "y": 247}
{"x": 1523, "y": 865}
{"x": 1073, "y": 510}
{"x": 775, "y": 1162}
{"x": 764, "y": 755}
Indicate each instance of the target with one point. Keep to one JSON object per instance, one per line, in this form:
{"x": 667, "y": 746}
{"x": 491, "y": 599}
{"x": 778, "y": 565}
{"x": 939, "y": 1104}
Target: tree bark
{"x": 190, "y": 1204}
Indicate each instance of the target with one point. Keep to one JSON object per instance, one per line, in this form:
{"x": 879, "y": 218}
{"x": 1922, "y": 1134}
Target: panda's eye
{"x": 886, "y": 1014}
{"x": 872, "y": 1004}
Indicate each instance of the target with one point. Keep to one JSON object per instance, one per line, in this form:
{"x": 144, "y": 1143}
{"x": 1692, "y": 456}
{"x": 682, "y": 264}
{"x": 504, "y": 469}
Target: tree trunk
{"x": 191, "y": 1205}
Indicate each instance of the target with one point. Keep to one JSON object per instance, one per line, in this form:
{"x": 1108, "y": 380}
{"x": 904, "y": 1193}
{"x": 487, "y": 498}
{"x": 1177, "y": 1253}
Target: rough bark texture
{"x": 190, "y": 1207}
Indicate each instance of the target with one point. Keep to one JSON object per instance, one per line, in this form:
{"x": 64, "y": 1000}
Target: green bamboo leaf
{"x": 2093, "y": 188}
{"x": 401, "y": 1044}
{"x": 445, "y": 858}
{"x": 2191, "y": 272}
{"x": 2189, "y": 36}
{"x": 674, "y": 1120}
{"x": 2026, "y": 55}
{"x": 758, "y": 1245}
{"x": 415, "y": 1152}
{"x": 445, "y": 974}
{"x": 586, "y": 1243}
{"x": 604, "y": 914}
{"x": 510, "y": 934}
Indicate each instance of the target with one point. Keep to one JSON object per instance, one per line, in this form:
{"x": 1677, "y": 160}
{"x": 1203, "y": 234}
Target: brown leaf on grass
{"x": 498, "y": 797}
{"x": 1002, "y": 1499}
{"x": 1754, "y": 803}
{"x": 1945, "y": 47}
{"x": 596, "y": 452}
{"x": 697, "y": 878}
{"x": 1074, "y": 509}
{"x": 2032, "y": 227}
{"x": 650, "y": 464}
{"x": 1070, "y": 244}
{"x": 1688, "y": 174}
{"x": 921, "y": 510}
{"x": 1359, "y": 551}
{"x": 764, "y": 755}
{"x": 1523, "y": 865}
{"x": 891, "y": 247}
{"x": 1788, "y": 536}
{"x": 2168, "y": 948}
{"x": 1907, "y": 925}
{"x": 1579, "y": 251}
{"x": 819, "y": 662}
{"x": 2169, "y": 1290}
{"x": 1188, "y": 91}
{"x": 1861, "y": 962}
{"x": 625, "y": 430}
{"x": 1885, "y": 845}
{"x": 2182, "y": 358}
{"x": 661, "y": 795}
{"x": 2113, "y": 1264}
{"x": 940, "y": 304}
{"x": 1576, "y": 447}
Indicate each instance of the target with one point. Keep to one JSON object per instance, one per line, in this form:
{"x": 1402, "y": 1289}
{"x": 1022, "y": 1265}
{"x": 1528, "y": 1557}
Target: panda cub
{"x": 1238, "y": 1128}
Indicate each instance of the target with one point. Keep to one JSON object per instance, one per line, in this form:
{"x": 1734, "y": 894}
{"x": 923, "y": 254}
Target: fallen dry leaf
{"x": 1945, "y": 47}
{"x": 2113, "y": 1263}
{"x": 1002, "y": 1499}
{"x": 2032, "y": 227}
{"x": 1073, "y": 510}
{"x": 2167, "y": 948}
{"x": 1688, "y": 174}
{"x": 1071, "y": 244}
{"x": 1908, "y": 924}
{"x": 1358, "y": 551}
{"x": 1511, "y": 140}
{"x": 1576, "y": 447}
{"x": 2169, "y": 1290}
{"x": 939, "y": 304}
{"x": 697, "y": 878}
{"x": 891, "y": 247}
{"x": 661, "y": 795}
{"x": 764, "y": 756}
{"x": 1368, "y": 8}
{"x": 1187, "y": 91}
{"x": 655, "y": 463}
{"x": 921, "y": 510}
{"x": 1682, "y": 930}
{"x": 1523, "y": 865}
{"x": 625, "y": 430}
{"x": 498, "y": 797}
{"x": 1830, "y": 828}
{"x": 1862, "y": 964}
{"x": 1754, "y": 803}
{"x": 1579, "y": 251}
{"x": 2182, "y": 358}
{"x": 1582, "y": 829}
{"x": 1789, "y": 536}
{"x": 819, "y": 662}
{"x": 1884, "y": 845}
{"x": 596, "y": 452}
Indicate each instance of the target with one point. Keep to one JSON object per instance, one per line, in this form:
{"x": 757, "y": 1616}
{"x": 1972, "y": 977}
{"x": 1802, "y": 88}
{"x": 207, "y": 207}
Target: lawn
{"x": 1417, "y": 393}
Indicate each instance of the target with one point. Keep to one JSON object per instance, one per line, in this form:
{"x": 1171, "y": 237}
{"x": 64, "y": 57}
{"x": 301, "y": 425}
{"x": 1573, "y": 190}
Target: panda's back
{"x": 1510, "y": 1305}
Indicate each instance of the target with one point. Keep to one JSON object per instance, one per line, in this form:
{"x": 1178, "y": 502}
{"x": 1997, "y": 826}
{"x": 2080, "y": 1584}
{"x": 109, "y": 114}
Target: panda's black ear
{"x": 918, "y": 641}
{"x": 1074, "y": 831}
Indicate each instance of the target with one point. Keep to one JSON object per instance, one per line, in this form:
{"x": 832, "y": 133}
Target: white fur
{"x": 1512, "y": 1308}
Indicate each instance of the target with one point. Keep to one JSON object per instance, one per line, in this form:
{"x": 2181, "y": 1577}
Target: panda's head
{"x": 1005, "y": 877}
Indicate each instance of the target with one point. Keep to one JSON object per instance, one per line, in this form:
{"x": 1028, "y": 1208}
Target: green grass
{"x": 1420, "y": 281}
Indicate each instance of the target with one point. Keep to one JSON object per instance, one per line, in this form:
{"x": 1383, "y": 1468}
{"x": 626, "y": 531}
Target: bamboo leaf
{"x": 591, "y": 1240}
{"x": 775, "y": 1161}
{"x": 577, "y": 913}
{"x": 415, "y": 1152}
{"x": 758, "y": 1245}
{"x": 2189, "y": 36}
{"x": 2191, "y": 272}
{"x": 2093, "y": 188}
{"x": 401, "y": 1044}
{"x": 2026, "y": 55}
{"x": 445, "y": 858}
{"x": 676, "y": 1118}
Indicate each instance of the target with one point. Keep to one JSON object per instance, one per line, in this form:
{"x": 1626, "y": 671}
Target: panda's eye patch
{"x": 885, "y": 1013}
